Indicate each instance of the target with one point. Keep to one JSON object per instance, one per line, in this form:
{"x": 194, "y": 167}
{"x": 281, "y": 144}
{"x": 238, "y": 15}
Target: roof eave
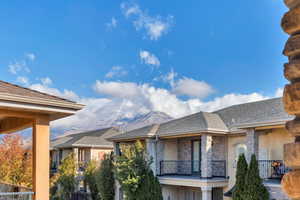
{"x": 40, "y": 101}
{"x": 261, "y": 124}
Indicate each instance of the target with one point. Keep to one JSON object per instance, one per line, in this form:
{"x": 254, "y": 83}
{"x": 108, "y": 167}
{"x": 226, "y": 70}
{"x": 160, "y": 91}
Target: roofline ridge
{"x": 32, "y": 90}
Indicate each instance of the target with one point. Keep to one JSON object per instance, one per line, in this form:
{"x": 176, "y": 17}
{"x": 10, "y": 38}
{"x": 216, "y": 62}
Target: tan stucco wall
{"x": 270, "y": 147}
{"x": 180, "y": 193}
{"x": 170, "y": 150}
{"x": 232, "y": 142}
{"x": 272, "y": 143}
{"x": 97, "y": 154}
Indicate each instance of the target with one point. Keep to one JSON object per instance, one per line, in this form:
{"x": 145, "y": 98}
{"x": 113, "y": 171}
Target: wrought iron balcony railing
{"x": 272, "y": 169}
{"x": 190, "y": 168}
{"x": 16, "y": 195}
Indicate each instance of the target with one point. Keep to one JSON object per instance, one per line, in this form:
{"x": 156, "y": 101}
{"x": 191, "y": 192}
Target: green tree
{"x": 254, "y": 188}
{"x": 90, "y": 174}
{"x": 105, "y": 178}
{"x": 64, "y": 183}
{"x": 135, "y": 175}
{"x": 241, "y": 172}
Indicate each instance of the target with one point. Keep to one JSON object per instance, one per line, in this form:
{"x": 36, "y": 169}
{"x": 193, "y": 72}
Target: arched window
{"x": 239, "y": 149}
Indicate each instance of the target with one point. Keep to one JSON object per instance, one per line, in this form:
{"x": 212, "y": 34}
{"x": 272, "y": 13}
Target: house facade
{"x": 85, "y": 146}
{"x": 195, "y": 156}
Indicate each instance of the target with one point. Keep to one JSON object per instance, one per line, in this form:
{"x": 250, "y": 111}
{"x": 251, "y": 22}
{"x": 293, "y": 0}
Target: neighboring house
{"x": 195, "y": 156}
{"x": 86, "y": 146}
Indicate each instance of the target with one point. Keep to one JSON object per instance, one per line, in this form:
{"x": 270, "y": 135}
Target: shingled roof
{"x": 8, "y": 88}
{"x": 95, "y": 138}
{"x": 223, "y": 121}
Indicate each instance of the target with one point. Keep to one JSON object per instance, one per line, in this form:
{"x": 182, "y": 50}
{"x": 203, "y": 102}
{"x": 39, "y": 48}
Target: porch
{"x": 22, "y": 108}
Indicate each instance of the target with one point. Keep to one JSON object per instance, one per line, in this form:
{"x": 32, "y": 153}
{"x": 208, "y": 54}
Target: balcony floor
{"x": 193, "y": 181}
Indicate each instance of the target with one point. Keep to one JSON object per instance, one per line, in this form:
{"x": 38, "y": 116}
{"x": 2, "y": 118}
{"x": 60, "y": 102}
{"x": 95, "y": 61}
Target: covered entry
{"x": 22, "y": 108}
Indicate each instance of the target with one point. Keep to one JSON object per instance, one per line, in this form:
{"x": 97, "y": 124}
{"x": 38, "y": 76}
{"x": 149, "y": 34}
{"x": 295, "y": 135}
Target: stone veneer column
{"x": 151, "y": 150}
{"x": 252, "y": 144}
{"x": 291, "y": 98}
{"x": 160, "y": 148}
{"x": 206, "y": 193}
{"x": 206, "y": 156}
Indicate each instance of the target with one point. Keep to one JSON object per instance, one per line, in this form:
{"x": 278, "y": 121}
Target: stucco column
{"x": 252, "y": 144}
{"x": 151, "y": 150}
{"x": 206, "y": 156}
{"x": 206, "y": 193}
{"x": 41, "y": 160}
{"x": 160, "y": 148}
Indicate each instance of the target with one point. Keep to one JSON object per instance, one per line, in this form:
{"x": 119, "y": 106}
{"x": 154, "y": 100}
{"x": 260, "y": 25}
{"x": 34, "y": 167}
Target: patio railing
{"x": 191, "y": 168}
{"x": 16, "y": 195}
{"x": 272, "y": 169}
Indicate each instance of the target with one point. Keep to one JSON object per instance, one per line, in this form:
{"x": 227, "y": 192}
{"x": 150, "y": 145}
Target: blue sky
{"x": 177, "y": 57}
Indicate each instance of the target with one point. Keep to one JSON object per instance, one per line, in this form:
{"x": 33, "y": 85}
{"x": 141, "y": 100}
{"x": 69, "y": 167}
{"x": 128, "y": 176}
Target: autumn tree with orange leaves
{"x": 15, "y": 161}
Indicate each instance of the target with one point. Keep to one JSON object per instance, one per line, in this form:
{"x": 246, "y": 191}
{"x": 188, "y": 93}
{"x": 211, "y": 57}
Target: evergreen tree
{"x": 135, "y": 175}
{"x": 254, "y": 188}
{"x": 241, "y": 172}
{"x": 91, "y": 180}
{"x": 64, "y": 183}
{"x": 105, "y": 178}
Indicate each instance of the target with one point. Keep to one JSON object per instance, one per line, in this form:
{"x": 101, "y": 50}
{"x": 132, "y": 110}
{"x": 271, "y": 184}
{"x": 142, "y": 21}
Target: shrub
{"x": 105, "y": 178}
{"x": 241, "y": 172}
{"x": 254, "y": 188}
{"x": 135, "y": 175}
{"x": 90, "y": 179}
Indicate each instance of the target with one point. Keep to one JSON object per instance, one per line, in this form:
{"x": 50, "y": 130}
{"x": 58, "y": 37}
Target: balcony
{"x": 191, "y": 168}
{"x": 16, "y": 195}
{"x": 272, "y": 169}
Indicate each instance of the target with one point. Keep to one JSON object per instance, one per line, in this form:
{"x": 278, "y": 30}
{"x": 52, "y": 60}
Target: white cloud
{"x": 128, "y": 99}
{"x": 155, "y": 26}
{"x": 116, "y": 89}
{"x": 112, "y": 24}
{"x": 116, "y": 71}
{"x": 149, "y": 59}
{"x": 46, "y": 81}
{"x": 67, "y": 94}
{"x": 30, "y": 56}
{"x": 18, "y": 66}
{"x": 279, "y": 92}
{"x": 23, "y": 80}
{"x": 192, "y": 88}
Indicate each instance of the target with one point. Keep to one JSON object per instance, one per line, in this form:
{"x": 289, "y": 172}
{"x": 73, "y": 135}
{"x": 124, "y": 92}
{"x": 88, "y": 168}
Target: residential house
{"x": 22, "y": 108}
{"x": 86, "y": 146}
{"x": 195, "y": 156}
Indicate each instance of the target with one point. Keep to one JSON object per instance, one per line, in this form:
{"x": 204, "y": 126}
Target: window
{"x": 239, "y": 149}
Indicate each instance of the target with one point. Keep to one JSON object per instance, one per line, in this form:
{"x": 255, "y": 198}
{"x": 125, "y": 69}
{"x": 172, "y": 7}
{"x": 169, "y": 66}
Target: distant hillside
{"x": 124, "y": 124}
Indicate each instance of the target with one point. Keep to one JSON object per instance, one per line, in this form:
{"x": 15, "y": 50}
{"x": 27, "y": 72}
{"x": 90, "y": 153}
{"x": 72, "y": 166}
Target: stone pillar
{"x": 40, "y": 168}
{"x": 206, "y": 156}
{"x": 252, "y": 144}
{"x": 291, "y": 98}
{"x": 151, "y": 150}
{"x": 160, "y": 148}
{"x": 117, "y": 151}
{"x": 206, "y": 193}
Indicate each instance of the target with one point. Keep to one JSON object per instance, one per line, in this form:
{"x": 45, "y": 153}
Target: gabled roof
{"x": 196, "y": 123}
{"x": 25, "y": 99}
{"x": 8, "y": 88}
{"x": 230, "y": 119}
{"x": 270, "y": 111}
{"x": 95, "y": 138}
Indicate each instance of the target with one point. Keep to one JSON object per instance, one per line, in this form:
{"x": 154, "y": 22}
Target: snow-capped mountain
{"x": 125, "y": 124}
